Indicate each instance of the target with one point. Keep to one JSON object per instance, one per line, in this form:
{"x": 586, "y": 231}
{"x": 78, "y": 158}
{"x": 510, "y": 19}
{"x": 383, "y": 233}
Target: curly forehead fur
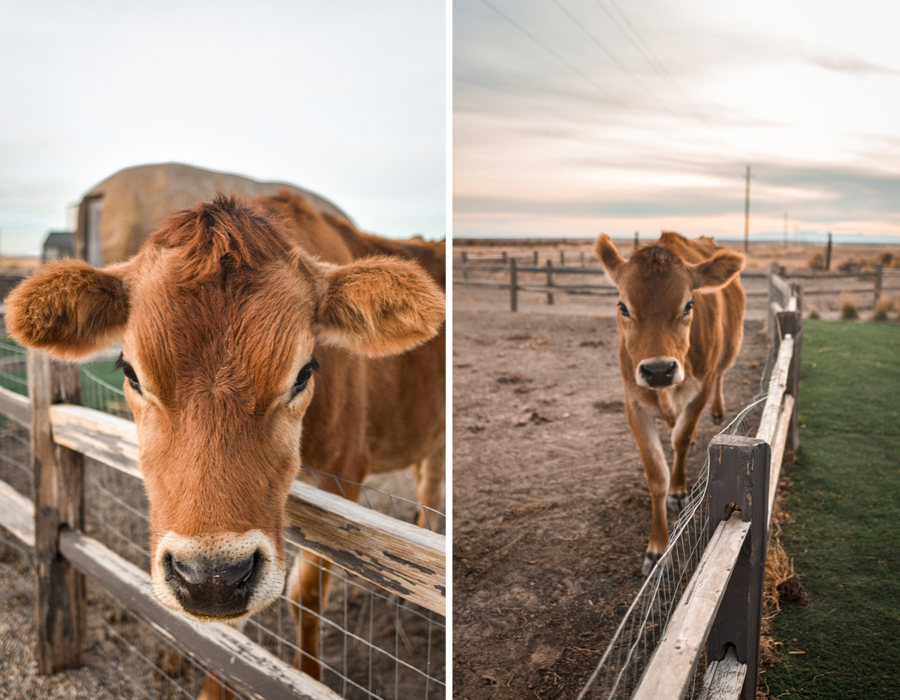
{"x": 219, "y": 237}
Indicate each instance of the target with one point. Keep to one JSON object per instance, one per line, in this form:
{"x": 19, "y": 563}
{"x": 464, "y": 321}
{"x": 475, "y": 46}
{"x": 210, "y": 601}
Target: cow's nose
{"x": 658, "y": 373}
{"x": 212, "y": 589}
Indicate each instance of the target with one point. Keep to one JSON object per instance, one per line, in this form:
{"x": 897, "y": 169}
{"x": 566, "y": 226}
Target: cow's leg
{"x": 213, "y": 689}
{"x": 308, "y": 593}
{"x": 717, "y": 409}
{"x": 657, "y": 472}
{"x": 429, "y": 474}
{"x": 683, "y": 436}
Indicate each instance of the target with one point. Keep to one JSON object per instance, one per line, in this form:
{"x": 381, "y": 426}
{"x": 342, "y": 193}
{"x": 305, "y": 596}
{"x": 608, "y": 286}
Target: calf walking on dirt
{"x": 681, "y": 310}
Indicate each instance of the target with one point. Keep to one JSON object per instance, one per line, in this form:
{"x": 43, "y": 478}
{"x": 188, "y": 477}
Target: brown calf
{"x": 681, "y": 310}
{"x": 226, "y": 315}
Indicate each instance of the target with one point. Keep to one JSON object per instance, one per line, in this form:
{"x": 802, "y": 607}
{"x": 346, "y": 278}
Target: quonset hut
{"x": 119, "y": 213}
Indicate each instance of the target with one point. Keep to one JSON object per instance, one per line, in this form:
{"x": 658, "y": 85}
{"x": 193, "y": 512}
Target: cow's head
{"x": 218, "y": 315}
{"x": 657, "y": 295}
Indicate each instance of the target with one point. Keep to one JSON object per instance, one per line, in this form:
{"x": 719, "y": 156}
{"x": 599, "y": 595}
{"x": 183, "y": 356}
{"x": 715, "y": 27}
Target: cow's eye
{"x": 624, "y": 309}
{"x": 688, "y": 307}
{"x": 304, "y": 376}
{"x": 129, "y": 373}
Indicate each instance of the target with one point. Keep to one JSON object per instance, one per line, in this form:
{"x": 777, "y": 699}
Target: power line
{"x": 614, "y": 59}
{"x": 559, "y": 58}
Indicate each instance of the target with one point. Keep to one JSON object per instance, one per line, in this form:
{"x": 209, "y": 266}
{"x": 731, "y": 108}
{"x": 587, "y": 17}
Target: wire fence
{"x": 622, "y": 665}
{"x": 373, "y": 644}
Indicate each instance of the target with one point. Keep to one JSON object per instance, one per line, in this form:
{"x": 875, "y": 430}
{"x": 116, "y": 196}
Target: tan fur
{"x": 655, "y": 284}
{"x": 219, "y": 310}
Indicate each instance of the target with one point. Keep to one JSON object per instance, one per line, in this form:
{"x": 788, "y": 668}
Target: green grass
{"x": 846, "y": 518}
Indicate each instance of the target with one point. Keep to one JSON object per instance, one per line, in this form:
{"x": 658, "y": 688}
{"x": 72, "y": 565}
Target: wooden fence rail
{"x": 881, "y": 280}
{"x": 721, "y": 608}
{"x": 399, "y": 557}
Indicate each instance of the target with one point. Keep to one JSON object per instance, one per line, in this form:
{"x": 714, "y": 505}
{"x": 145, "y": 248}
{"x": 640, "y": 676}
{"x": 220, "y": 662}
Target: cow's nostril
{"x": 213, "y": 588}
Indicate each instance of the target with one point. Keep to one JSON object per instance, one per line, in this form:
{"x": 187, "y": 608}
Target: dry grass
{"x": 882, "y": 307}
{"x": 849, "y": 311}
{"x": 781, "y": 581}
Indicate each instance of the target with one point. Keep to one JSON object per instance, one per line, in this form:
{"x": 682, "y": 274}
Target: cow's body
{"x": 243, "y": 328}
{"x": 680, "y": 324}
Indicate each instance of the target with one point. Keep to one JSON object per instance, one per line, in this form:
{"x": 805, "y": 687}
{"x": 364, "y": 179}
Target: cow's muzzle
{"x": 217, "y": 577}
{"x": 659, "y": 372}
{"x": 215, "y": 589}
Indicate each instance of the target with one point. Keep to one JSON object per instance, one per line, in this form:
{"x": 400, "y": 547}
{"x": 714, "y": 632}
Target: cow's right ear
{"x": 68, "y": 309}
{"x": 609, "y": 255}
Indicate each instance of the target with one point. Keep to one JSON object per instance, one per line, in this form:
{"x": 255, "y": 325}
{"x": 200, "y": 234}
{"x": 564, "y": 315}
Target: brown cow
{"x": 226, "y": 315}
{"x": 681, "y": 309}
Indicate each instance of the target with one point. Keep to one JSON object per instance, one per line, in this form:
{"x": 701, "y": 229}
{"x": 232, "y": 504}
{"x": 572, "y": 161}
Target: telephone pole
{"x": 747, "y": 215}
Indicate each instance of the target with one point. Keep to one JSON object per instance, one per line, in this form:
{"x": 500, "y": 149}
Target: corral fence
{"x": 575, "y": 274}
{"x": 383, "y": 635}
{"x": 693, "y": 629}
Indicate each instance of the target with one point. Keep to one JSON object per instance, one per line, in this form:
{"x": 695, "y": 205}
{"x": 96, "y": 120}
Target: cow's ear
{"x": 609, "y": 254}
{"x": 378, "y": 306}
{"x": 68, "y": 309}
{"x": 716, "y": 272}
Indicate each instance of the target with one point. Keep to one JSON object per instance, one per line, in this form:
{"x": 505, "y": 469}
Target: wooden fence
{"x": 721, "y": 608}
{"x": 399, "y": 557}
{"x": 470, "y": 271}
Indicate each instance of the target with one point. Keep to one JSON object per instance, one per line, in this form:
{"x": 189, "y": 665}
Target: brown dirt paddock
{"x": 550, "y": 506}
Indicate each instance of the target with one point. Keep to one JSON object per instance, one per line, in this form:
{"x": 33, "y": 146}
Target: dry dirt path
{"x": 550, "y": 506}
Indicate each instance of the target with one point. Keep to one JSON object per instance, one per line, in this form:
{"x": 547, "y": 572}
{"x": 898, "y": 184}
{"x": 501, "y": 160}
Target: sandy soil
{"x": 550, "y": 505}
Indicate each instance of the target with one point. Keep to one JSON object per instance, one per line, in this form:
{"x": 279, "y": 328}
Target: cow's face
{"x": 658, "y": 293}
{"x": 218, "y": 356}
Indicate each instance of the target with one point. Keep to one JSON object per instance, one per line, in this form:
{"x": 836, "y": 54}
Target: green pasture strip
{"x": 844, "y": 536}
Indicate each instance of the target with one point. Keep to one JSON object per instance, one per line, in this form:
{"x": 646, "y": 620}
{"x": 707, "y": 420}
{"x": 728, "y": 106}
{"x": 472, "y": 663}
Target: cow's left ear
{"x": 718, "y": 271}
{"x": 378, "y": 306}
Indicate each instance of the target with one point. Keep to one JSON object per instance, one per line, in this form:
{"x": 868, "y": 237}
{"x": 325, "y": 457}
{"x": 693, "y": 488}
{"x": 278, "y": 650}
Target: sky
{"x": 572, "y": 117}
{"x": 347, "y": 99}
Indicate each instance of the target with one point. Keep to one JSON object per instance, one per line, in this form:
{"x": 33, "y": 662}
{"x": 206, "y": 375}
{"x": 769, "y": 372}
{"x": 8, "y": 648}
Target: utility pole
{"x": 747, "y": 215}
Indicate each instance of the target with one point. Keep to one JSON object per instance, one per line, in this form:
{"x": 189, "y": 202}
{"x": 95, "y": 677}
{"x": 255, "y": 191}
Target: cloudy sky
{"x": 575, "y": 116}
{"x": 345, "y": 98}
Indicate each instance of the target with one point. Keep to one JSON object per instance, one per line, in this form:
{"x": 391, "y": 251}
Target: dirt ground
{"x": 550, "y": 506}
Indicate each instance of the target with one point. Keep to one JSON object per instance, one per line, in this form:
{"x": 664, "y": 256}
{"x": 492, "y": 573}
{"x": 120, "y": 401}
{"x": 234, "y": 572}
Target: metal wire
{"x": 373, "y": 644}
{"x": 619, "y": 670}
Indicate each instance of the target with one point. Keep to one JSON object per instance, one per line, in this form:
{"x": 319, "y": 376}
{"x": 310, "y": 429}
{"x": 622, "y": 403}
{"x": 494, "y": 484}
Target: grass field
{"x": 845, "y": 510}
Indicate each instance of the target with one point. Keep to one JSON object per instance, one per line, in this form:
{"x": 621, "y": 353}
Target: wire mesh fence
{"x": 373, "y": 644}
{"x": 620, "y": 668}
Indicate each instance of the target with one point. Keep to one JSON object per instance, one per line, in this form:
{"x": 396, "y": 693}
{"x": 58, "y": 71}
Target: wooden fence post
{"x": 549, "y": 280}
{"x": 828, "y": 254}
{"x": 60, "y": 601}
{"x": 513, "y": 285}
{"x": 791, "y": 322}
{"x": 879, "y": 280}
{"x": 535, "y": 262}
{"x": 739, "y": 478}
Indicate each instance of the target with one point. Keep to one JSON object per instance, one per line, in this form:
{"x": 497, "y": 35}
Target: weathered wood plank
{"x": 398, "y": 556}
{"x": 243, "y": 664}
{"x": 777, "y": 386}
{"x": 779, "y": 443}
{"x": 16, "y": 407}
{"x": 724, "y": 679}
{"x": 672, "y": 665}
{"x": 108, "y": 439}
{"x": 17, "y": 513}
